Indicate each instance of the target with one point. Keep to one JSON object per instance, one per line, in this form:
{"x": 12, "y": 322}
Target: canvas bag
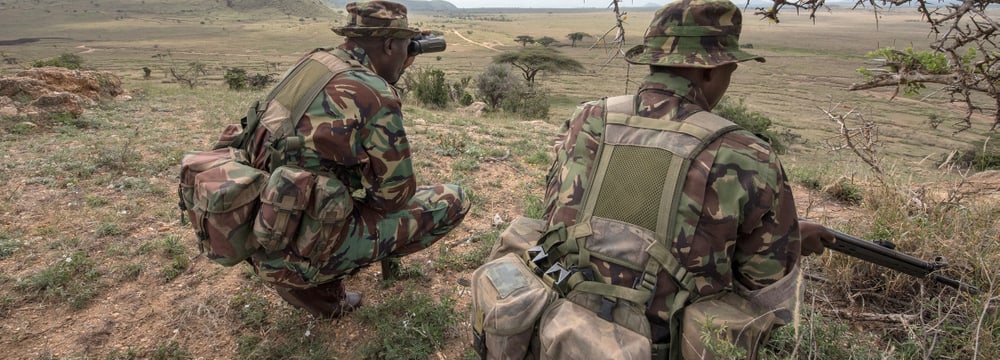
{"x": 236, "y": 206}
{"x": 594, "y": 319}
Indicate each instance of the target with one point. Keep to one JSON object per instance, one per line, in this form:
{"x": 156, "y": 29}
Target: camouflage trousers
{"x": 365, "y": 237}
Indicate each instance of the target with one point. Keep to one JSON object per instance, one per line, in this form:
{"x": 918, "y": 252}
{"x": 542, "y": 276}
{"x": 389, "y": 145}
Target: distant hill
{"x": 307, "y": 8}
{"x": 411, "y": 5}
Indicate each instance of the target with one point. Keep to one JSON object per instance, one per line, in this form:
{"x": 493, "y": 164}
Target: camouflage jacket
{"x": 747, "y": 229}
{"x": 354, "y": 129}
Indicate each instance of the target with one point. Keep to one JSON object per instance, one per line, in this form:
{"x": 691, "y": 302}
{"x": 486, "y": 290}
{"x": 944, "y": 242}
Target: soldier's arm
{"x": 768, "y": 245}
{"x": 388, "y": 176}
{"x": 378, "y": 142}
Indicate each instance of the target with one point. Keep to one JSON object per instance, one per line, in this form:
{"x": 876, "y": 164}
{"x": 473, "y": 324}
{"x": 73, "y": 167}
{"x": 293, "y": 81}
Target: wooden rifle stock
{"x": 884, "y": 255}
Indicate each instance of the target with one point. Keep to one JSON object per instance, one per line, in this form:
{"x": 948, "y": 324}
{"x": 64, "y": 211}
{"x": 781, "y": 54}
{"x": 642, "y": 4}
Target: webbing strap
{"x": 282, "y": 145}
{"x": 613, "y": 291}
{"x": 284, "y": 209}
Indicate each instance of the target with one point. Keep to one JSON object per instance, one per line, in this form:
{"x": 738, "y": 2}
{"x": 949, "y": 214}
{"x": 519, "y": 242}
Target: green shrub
{"x": 986, "y": 162}
{"x": 527, "y": 102}
{"x": 64, "y": 60}
{"x": 259, "y": 81}
{"x": 498, "y": 82}
{"x": 982, "y": 155}
{"x": 430, "y": 88}
{"x": 236, "y": 78}
{"x": 171, "y": 350}
{"x": 754, "y": 122}
{"x": 458, "y": 91}
{"x": 846, "y": 191}
{"x": 466, "y": 100}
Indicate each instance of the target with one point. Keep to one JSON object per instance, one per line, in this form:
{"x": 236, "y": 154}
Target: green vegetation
{"x": 531, "y": 61}
{"x": 409, "y": 326}
{"x": 496, "y": 83}
{"x": 524, "y": 40}
{"x": 9, "y": 243}
{"x": 73, "y": 279}
{"x": 237, "y": 79}
{"x": 451, "y": 259}
{"x": 755, "y": 122}
{"x": 576, "y": 36}
{"x": 546, "y": 41}
{"x": 100, "y": 188}
{"x": 926, "y": 62}
{"x": 430, "y": 88}
{"x": 170, "y": 350}
{"x": 64, "y": 60}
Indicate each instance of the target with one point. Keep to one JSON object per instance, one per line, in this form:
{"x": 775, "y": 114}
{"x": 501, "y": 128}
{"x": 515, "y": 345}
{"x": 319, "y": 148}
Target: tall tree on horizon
{"x": 577, "y": 36}
{"x": 524, "y": 40}
{"x": 534, "y": 59}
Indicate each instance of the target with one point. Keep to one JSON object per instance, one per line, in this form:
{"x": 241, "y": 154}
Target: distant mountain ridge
{"x": 305, "y": 8}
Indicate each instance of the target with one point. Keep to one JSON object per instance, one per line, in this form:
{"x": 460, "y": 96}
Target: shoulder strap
{"x": 290, "y": 99}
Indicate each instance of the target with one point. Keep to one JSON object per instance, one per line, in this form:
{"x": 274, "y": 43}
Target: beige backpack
{"x": 538, "y": 297}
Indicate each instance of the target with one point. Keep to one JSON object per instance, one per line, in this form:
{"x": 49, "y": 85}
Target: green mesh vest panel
{"x": 633, "y": 185}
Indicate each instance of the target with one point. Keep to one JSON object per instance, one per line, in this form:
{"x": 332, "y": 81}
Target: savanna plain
{"x": 97, "y": 262}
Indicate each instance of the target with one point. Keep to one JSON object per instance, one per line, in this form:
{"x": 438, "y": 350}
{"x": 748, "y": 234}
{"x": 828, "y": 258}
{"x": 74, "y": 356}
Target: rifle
{"x": 881, "y": 252}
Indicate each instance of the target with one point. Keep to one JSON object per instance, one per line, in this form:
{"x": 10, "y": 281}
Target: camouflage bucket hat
{"x": 376, "y": 19}
{"x": 693, "y": 33}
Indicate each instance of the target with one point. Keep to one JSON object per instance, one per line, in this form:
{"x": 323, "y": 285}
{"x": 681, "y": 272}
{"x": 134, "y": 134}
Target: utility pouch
{"x": 228, "y": 135}
{"x": 522, "y": 234}
{"x": 219, "y": 192}
{"x": 330, "y": 206}
{"x": 726, "y": 320}
{"x": 574, "y": 328}
{"x": 507, "y": 301}
{"x": 283, "y": 202}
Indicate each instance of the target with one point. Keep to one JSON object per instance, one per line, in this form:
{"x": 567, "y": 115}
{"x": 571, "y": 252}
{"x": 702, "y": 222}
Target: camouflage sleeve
{"x": 767, "y": 242}
{"x": 358, "y": 124}
{"x": 566, "y": 177}
{"x": 388, "y": 176}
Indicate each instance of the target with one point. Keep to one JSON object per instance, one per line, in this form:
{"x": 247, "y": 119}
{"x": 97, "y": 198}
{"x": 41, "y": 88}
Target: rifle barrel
{"x": 881, "y": 255}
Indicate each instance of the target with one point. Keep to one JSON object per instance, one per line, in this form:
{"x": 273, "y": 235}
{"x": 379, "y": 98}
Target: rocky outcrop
{"x": 51, "y": 90}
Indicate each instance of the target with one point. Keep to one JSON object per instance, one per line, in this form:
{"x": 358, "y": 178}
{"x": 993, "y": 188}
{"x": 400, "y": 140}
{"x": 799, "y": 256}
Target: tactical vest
{"x": 246, "y": 195}
{"x": 564, "y": 308}
{"x": 628, "y": 215}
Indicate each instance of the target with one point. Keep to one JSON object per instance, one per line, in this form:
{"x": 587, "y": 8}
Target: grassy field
{"x": 96, "y": 263}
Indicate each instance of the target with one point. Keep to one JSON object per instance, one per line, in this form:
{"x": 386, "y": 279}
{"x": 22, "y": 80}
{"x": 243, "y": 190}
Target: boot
{"x": 325, "y": 301}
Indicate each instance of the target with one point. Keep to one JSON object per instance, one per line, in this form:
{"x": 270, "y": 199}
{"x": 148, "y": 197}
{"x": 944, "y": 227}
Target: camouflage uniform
{"x": 742, "y": 220}
{"x": 354, "y": 130}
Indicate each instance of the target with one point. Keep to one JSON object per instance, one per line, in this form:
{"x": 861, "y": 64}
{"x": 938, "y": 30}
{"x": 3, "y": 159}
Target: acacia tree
{"x": 524, "y": 40}
{"x": 546, "y": 41}
{"x": 577, "y": 36}
{"x": 532, "y": 60}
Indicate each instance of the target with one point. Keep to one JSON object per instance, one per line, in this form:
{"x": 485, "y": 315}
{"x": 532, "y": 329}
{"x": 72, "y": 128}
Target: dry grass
{"x": 101, "y": 189}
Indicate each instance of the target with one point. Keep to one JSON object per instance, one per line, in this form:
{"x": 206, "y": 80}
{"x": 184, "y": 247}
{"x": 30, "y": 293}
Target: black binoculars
{"x": 425, "y": 44}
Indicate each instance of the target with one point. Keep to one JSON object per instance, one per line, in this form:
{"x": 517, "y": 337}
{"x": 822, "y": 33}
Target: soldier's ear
{"x": 391, "y": 46}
